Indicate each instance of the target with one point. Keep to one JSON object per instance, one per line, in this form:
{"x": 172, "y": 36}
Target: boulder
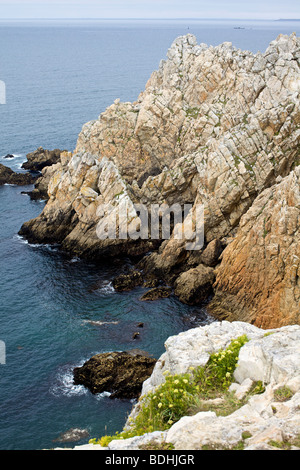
{"x": 195, "y": 285}
{"x": 120, "y": 373}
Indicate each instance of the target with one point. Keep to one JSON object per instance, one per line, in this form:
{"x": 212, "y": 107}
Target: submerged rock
{"x": 157, "y": 293}
{"x": 120, "y": 373}
{"x": 72, "y": 435}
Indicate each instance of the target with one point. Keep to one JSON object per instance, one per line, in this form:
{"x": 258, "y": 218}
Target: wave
{"x": 106, "y": 288}
{"x": 65, "y": 386}
{"x": 100, "y": 323}
{"x": 46, "y": 246}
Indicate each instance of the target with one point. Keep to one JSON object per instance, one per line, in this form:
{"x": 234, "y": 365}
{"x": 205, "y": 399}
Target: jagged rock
{"x": 8, "y": 176}
{"x": 120, "y": 373}
{"x": 215, "y": 126}
{"x": 41, "y": 158}
{"x": 225, "y": 125}
{"x": 258, "y": 278}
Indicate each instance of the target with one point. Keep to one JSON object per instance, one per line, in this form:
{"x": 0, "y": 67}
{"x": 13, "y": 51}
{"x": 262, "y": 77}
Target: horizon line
{"x": 157, "y": 19}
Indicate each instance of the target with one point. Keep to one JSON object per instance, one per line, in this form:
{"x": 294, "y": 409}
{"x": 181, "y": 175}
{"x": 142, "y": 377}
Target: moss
{"x": 193, "y": 112}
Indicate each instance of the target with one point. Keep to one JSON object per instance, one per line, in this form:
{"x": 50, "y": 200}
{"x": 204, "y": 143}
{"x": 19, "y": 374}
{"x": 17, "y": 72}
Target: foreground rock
{"x": 120, "y": 373}
{"x": 8, "y": 176}
{"x": 266, "y": 421}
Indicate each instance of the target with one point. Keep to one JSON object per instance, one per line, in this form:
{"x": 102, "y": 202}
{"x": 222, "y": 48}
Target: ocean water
{"x": 57, "y": 311}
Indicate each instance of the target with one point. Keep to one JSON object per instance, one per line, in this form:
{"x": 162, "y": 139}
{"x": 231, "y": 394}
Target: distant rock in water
{"x": 9, "y": 156}
{"x": 120, "y": 373}
{"x": 8, "y": 176}
{"x": 41, "y": 158}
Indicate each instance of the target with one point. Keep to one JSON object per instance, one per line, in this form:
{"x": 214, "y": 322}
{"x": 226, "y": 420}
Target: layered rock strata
{"x": 215, "y": 126}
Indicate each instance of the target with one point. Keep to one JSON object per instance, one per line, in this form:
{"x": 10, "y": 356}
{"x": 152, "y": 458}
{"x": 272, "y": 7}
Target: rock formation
{"x": 8, "y": 176}
{"x": 41, "y": 158}
{"x": 215, "y": 126}
{"x": 258, "y": 278}
{"x": 120, "y": 373}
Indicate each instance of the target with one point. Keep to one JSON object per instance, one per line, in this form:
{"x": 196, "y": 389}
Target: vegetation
{"x": 186, "y": 394}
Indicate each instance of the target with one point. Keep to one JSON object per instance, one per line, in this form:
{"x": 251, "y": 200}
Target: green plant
{"x": 180, "y": 393}
{"x": 283, "y": 393}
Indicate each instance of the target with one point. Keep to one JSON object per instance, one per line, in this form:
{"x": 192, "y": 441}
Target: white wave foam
{"x": 65, "y": 386}
{"x": 106, "y": 288}
{"x": 100, "y": 323}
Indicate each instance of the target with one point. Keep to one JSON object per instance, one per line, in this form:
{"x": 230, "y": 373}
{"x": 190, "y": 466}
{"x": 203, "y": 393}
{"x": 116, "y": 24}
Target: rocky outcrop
{"x": 120, "y": 373}
{"x": 215, "y": 126}
{"x": 258, "y": 280}
{"x": 267, "y": 421}
{"x": 41, "y": 158}
{"x": 8, "y": 176}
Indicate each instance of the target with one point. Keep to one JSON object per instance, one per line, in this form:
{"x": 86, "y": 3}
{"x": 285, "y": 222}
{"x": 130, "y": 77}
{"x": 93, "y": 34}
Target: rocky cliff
{"x": 266, "y": 420}
{"x": 215, "y": 126}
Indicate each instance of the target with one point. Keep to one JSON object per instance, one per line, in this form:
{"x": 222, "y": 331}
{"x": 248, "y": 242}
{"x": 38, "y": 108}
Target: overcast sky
{"x": 254, "y": 9}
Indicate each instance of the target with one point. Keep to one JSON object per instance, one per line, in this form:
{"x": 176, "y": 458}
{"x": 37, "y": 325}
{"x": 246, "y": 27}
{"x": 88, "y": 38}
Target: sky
{"x": 255, "y": 9}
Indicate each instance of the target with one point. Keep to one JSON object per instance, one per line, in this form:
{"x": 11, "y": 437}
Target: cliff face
{"x": 214, "y": 126}
{"x": 258, "y": 279}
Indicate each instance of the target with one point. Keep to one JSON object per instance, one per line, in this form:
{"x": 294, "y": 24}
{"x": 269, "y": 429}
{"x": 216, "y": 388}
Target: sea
{"x": 57, "y": 311}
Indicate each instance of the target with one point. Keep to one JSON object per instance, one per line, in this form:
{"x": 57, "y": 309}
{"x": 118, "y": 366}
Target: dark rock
{"x": 9, "y": 156}
{"x": 41, "y": 158}
{"x": 127, "y": 281}
{"x": 8, "y": 176}
{"x": 135, "y": 335}
{"x": 120, "y": 373}
{"x": 157, "y": 293}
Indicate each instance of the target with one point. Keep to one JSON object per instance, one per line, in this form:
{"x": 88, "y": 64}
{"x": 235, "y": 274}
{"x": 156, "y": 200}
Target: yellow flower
{"x": 170, "y": 405}
{"x": 176, "y": 381}
{"x": 159, "y": 405}
{"x": 170, "y": 421}
{"x": 185, "y": 381}
{"x": 176, "y": 390}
